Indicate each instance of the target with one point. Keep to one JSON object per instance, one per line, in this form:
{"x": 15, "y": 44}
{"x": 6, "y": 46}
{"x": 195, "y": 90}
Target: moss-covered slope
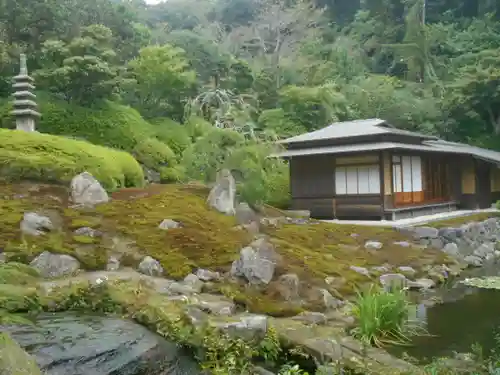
{"x": 43, "y": 157}
{"x": 206, "y": 239}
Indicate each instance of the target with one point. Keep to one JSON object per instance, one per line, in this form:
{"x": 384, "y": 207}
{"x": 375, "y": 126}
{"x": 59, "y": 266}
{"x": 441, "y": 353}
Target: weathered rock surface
{"x": 79, "y": 345}
{"x": 55, "y": 265}
{"x": 373, "y": 245}
{"x": 206, "y": 275}
{"x": 244, "y": 214}
{"x": 86, "y": 231}
{"x": 222, "y": 195}
{"x": 35, "y": 224}
{"x": 150, "y": 266}
{"x": 167, "y": 224}
{"x": 247, "y": 326}
{"x": 257, "y": 262}
{"x": 87, "y": 191}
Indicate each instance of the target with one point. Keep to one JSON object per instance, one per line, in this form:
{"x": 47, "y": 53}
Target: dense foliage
{"x": 260, "y": 69}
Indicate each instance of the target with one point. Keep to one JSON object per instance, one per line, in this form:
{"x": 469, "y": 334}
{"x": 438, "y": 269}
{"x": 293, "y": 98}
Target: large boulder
{"x": 150, "y": 266}
{"x": 87, "y": 191}
{"x": 71, "y": 344}
{"x": 257, "y": 262}
{"x": 222, "y": 196}
{"x": 55, "y": 265}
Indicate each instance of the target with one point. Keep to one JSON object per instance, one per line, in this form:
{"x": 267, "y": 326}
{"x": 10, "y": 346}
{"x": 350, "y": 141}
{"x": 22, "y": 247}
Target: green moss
{"x": 14, "y": 360}
{"x": 257, "y": 301}
{"x": 316, "y": 251}
{"x": 17, "y": 273}
{"x": 47, "y": 158}
{"x": 457, "y": 221}
{"x": 17, "y": 298}
{"x": 84, "y": 239}
{"x": 207, "y": 238}
{"x": 85, "y": 221}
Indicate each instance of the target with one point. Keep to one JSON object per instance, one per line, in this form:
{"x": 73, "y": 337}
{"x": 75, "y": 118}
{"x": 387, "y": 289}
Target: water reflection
{"x": 466, "y": 316}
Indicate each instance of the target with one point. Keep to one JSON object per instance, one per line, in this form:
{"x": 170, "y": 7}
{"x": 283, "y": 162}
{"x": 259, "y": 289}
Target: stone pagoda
{"x": 25, "y": 109}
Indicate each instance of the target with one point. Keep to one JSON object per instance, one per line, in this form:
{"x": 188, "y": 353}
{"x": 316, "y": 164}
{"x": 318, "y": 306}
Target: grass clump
{"x": 53, "y": 159}
{"x": 382, "y": 317}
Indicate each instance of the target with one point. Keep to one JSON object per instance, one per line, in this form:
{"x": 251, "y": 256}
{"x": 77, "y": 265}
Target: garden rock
{"x": 206, "y": 275}
{"x": 86, "y": 231}
{"x": 215, "y": 305}
{"x": 222, "y": 195}
{"x": 249, "y": 327}
{"x": 35, "y": 225}
{"x": 194, "y": 282}
{"x": 312, "y": 317}
{"x": 424, "y": 232}
{"x": 244, "y": 214}
{"x": 55, "y": 265}
{"x": 74, "y": 344}
{"x": 360, "y": 270}
{"x": 422, "y": 284}
{"x": 409, "y": 271}
{"x": 373, "y": 245}
{"x": 113, "y": 264}
{"x": 257, "y": 262}
{"x": 288, "y": 286}
{"x": 402, "y": 243}
{"x": 169, "y": 224}
{"x": 484, "y": 250}
{"x": 451, "y": 249}
{"x": 87, "y": 191}
{"x": 150, "y": 266}
{"x": 391, "y": 281}
{"x": 473, "y": 260}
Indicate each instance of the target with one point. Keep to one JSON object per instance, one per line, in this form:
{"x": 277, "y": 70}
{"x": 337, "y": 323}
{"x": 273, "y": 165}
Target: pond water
{"x": 467, "y": 316}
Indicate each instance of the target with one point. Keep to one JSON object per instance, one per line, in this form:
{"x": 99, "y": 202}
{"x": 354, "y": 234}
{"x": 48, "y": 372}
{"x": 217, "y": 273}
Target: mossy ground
{"x": 206, "y": 239}
{"x": 457, "y": 221}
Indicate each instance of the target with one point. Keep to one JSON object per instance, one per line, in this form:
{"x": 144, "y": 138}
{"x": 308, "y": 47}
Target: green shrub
{"x": 48, "y": 158}
{"x": 382, "y": 317}
{"x": 276, "y": 121}
{"x": 204, "y": 157}
{"x": 172, "y": 174}
{"x": 154, "y": 154}
{"x": 110, "y": 124}
{"x": 197, "y": 127}
{"x": 263, "y": 179}
{"x": 175, "y": 135}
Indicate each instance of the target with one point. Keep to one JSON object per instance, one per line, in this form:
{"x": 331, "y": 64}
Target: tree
{"x": 278, "y": 32}
{"x": 82, "y": 70}
{"x": 474, "y": 100}
{"x": 163, "y": 80}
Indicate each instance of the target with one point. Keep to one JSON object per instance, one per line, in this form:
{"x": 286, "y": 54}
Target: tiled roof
{"x": 352, "y": 129}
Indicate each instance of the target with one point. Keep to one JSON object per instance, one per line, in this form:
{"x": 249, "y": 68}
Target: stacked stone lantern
{"x": 25, "y": 109}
